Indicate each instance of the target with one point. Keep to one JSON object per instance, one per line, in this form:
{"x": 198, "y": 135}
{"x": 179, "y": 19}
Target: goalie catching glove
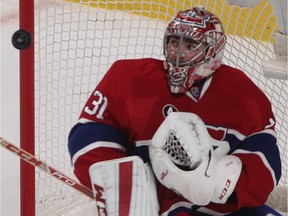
{"x": 184, "y": 161}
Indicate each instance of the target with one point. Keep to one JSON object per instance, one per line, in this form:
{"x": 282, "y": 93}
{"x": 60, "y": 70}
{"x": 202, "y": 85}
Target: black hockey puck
{"x": 21, "y": 39}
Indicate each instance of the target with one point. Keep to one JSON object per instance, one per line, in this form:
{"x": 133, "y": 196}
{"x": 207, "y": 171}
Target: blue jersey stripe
{"x": 266, "y": 144}
{"x": 82, "y": 135}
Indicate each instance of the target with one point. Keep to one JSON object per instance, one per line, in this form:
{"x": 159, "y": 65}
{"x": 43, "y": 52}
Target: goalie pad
{"x": 212, "y": 175}
{"x": 124, "y": 186}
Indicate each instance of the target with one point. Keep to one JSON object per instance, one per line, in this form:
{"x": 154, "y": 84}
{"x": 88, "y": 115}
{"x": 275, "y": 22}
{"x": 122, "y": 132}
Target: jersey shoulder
{"x": 135, "y": 67}
{"x": 237, "y": 82}
{"x": 139, "y": 61}
{"x": 125, "y": 76}
{"x": 229, "y": 73}
{"x": 242, "y": 96}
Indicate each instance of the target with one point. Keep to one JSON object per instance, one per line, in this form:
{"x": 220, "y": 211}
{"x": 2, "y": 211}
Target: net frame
{"x": 61, "y": 32}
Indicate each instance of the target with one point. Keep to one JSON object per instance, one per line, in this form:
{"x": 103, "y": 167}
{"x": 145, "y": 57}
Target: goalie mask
{"x": 193, "y": 48}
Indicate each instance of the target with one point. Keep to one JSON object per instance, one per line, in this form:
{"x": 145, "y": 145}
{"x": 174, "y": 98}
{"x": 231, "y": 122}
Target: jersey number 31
{"x": 98, "y": 105}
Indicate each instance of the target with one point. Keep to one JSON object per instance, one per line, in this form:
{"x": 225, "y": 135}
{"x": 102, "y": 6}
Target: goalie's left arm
{"x": 183, "y": 149}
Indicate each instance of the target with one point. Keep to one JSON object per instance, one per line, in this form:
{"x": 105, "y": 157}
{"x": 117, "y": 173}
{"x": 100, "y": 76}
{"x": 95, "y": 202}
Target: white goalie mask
{"x": 193, "y": 48}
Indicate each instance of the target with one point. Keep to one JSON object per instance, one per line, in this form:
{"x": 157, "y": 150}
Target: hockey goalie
{"x": 183, "y": 136}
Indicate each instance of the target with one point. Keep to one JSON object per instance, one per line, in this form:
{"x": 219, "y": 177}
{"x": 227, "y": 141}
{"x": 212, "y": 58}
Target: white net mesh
{"x": 77, "y": 41}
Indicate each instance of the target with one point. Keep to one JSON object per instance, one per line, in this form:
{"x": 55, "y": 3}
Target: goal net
{"x": 76, "y": 41}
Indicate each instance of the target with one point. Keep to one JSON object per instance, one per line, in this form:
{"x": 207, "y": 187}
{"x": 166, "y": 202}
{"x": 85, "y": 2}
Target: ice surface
{"x": 9, "y": 105}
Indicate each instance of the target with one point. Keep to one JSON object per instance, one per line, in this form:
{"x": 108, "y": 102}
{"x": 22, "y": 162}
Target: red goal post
{"x": 27, "y": 113}
{"x": 73, "y": 44}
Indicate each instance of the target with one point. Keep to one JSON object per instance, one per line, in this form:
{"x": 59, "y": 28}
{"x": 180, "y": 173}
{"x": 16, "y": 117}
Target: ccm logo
{"x": 225, "y": 189}
{"x": 164, "y": 174}
{"x": 100, "y": 200}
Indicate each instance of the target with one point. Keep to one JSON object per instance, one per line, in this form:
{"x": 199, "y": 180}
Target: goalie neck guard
{"x": 193, "y": 48}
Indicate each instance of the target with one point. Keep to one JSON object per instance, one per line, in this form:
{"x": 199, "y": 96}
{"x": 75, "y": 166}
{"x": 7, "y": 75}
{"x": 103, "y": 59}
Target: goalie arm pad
{"x": 124, "y": 186}
{"x": 212, "y": 176}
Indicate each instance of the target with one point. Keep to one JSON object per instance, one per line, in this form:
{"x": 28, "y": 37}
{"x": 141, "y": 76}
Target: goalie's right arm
{"x": 86, "y": 147}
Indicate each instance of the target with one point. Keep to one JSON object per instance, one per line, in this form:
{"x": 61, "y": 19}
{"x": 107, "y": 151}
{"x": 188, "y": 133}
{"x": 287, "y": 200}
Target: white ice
{"x": 9, "y": 109}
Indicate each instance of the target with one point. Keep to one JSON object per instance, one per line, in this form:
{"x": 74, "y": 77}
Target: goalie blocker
{"x": 182, "y": 140}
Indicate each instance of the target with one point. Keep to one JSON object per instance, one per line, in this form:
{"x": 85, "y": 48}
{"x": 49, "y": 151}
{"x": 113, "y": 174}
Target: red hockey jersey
{"x": 129, "y": 104}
